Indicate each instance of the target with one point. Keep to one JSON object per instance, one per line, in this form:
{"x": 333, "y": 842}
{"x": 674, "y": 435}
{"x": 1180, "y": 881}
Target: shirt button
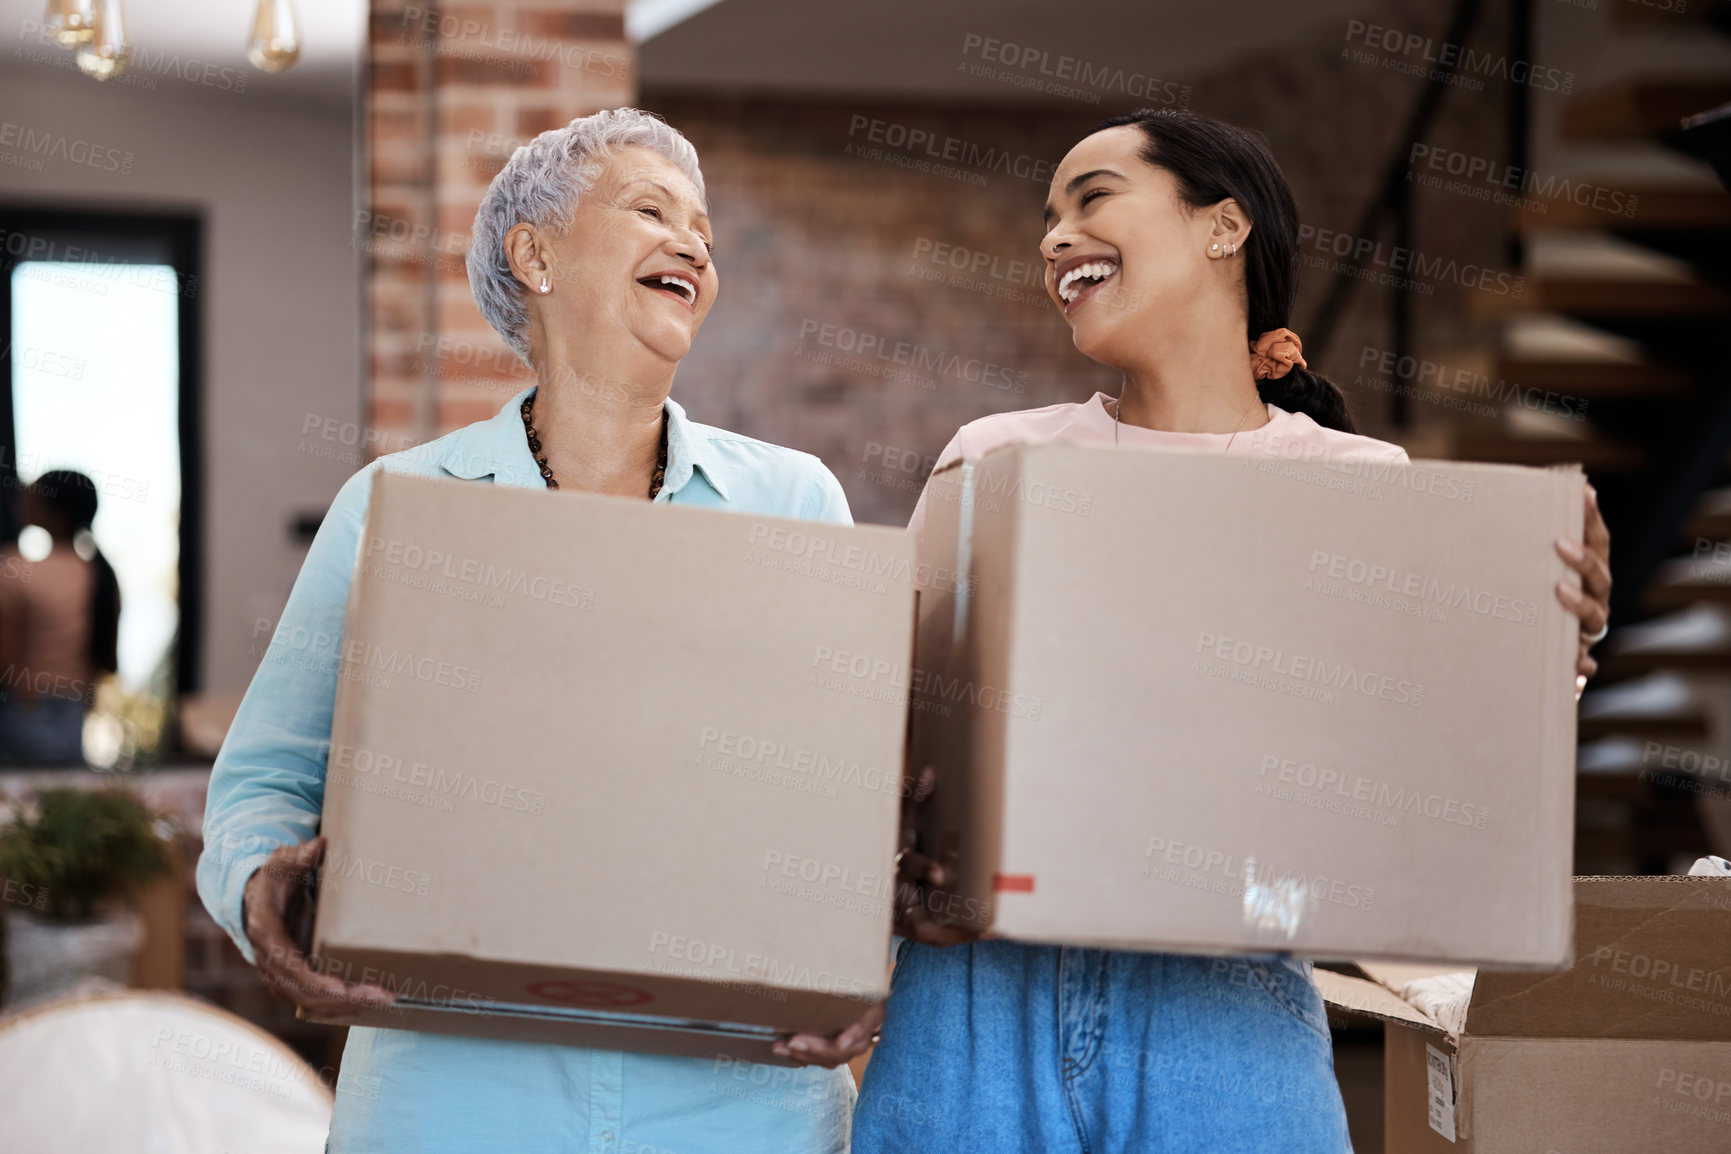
{"x": 606, "y": 1135}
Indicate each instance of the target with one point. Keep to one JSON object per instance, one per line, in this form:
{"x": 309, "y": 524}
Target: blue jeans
{"x": 999, "y": 1046}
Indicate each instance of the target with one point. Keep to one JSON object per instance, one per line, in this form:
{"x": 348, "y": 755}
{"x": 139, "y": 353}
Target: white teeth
{"x": 1095, "y": 270}
{"x": 684, "y": 286}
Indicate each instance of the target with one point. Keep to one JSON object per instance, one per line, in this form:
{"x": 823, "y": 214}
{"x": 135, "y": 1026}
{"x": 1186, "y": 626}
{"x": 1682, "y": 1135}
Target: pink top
{"x": 1286, "y": 434}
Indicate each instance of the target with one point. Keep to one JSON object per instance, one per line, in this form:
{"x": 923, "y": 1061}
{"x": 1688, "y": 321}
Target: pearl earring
{"x": 1214, "y": 247}
{"x": 544, "y": 286}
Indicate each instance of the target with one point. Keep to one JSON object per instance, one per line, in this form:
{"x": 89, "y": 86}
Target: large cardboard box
{"x": 613, "y": 774}
{"x": 1192, "y": 702}
{"x": 1628, "y": 1050}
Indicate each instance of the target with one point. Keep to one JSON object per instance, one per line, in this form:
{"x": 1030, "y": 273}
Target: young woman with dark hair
{"x": 59, "y": 625}
{"x": 1171, "y": 247}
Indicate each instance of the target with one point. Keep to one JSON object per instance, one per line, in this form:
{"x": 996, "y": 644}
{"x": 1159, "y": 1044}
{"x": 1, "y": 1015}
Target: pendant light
{"x": 70, "y": 22}
{"x": 108, "y": 51}
{"x": 276, "y": 37}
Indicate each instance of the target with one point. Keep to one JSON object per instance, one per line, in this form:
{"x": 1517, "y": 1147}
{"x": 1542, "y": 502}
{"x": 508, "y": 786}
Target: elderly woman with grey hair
{"x": 592, "y": 258}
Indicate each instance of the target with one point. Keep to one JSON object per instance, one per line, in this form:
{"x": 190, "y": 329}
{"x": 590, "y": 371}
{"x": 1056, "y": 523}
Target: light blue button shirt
{"x": 402, "y": 1091}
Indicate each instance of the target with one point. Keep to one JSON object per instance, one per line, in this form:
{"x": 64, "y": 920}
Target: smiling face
{"x": 1126, "y": 259}
{"x": 632, "y": 266}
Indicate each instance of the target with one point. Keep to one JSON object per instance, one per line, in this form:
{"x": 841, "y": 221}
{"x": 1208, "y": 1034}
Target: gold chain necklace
{"x": 528, "y": 411}
{"x": 1118, "y": 410}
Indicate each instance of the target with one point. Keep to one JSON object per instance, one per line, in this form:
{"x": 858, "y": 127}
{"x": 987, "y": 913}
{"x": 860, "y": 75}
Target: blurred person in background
{"x": 1171, "y": 249}
{"x": 592, "y": 258}
{"x": 59, "y": 625}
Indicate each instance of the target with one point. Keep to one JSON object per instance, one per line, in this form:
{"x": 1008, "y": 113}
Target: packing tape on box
{"x": 1273, "y": 904}
{"x": 964, "y": 549}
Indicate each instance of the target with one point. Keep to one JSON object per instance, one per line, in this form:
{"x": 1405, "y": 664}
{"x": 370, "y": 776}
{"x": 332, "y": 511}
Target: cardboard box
{"x": 613, "y": 774}
{"x": 1183, "y": 701}
{"x": 1630, "y": 1049}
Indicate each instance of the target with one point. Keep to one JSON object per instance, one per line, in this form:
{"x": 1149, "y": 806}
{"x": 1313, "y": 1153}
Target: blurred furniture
{"x": 120, "y": 1070}
{"x": 204, "y": 722}
{"x": 183, "y": 946}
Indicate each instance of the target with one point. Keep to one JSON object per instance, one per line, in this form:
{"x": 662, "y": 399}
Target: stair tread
{"x": 1689, "y": 580}
{"x": 1595, "y": 455}
{"x": 1686, "y": 725}
{"x": 1641, "y": 107}
{"x": 1652, "y": 209}
{"x": 1593, "y": 375}
{"x": 1610, "y": 297}
{"x": 1658, "y": 695}
{"x": 1694, "y": 571}
{"x": 1691, "y": 630}
{"x": 1711, "y": 518}
{"x": 1696, "y": 638}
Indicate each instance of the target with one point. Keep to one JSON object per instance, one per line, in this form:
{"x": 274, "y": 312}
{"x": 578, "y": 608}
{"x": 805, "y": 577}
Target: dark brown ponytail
{"x": 1213, "y": 161}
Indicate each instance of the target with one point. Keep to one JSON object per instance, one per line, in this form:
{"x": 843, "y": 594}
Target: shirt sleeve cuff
{"x": 230, "y": 903}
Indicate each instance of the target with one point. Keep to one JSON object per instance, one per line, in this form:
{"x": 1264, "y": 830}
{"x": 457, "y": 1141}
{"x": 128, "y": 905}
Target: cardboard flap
{"x": 1652, "y": 960}
{"x": 1364, "y": 998}
{"x": 1395, "y": 975}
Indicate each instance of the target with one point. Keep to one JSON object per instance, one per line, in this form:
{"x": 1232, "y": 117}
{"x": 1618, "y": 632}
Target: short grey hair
{"x": 541, "y": 185}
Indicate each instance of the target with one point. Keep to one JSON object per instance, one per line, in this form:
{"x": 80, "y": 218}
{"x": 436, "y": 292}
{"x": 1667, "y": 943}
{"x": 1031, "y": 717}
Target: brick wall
{"x": 868, "y": 307}
{"x": 831, "y": 240}
{"x": 451, "y": 91}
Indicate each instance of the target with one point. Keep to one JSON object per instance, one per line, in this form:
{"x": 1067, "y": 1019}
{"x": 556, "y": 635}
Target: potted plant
{"x": 72, "y": 863}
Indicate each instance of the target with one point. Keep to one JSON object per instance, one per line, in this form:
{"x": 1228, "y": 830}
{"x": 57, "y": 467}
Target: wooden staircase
{"x": 1651, "y": 374}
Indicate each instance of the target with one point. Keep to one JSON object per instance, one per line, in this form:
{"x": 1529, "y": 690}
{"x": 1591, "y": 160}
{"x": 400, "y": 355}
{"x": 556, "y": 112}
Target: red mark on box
{"x": 1013, "y": 883}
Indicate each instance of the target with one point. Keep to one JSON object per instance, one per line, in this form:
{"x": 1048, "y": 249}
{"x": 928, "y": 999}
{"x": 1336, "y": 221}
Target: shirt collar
{"x": 497, "y": 448}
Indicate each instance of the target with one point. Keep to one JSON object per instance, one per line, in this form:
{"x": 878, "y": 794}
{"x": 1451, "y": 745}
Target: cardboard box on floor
{"x": 1630, "y": 1049}
{"x": 615, "y": 775}
{"x": 1185, "y": 701}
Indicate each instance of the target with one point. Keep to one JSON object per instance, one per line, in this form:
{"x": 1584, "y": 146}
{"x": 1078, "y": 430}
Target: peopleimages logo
{"x": 929, "y": 145}
{"x": 1436, "y": 376}
{"x": 340, "y": 868}
{"x": 1662, "y": 971}
{"x": 911, "y": 356}
{"x": 361, "y": 656}
{"x": 1449, "y": 595}
{"x": 1499, "y": 175}
{"x": 1267, "y": 660}
{"x": 1406, "y": 268}
{"x": 435, "y": 28}
{"x": 718, "y": 957}
{"x": 58, "y": 146}
{"x": 724, "y": 751}
{"x": 1164, "y": 857}
{"x": 1419, "y": 52}
{"x": 1702, "y": 1087}
{"x": 475, "y": 571}
{"x": 354, "y": 764}
{"x": 1069, "y": 76}
{"x": 1376, "y": 474}
{"x": 1328, "y": 780}
{"x": 142, "y": 67}
{"x": 931, "y": 691}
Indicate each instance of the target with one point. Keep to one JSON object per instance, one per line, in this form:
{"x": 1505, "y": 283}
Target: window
{"x": 101, "y": 336}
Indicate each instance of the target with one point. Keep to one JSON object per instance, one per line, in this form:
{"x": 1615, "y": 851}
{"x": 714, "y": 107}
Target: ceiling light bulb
{"x": 70, "y": 22}
{"x": 276, "y": 37}
{"x": 108, "y": 51}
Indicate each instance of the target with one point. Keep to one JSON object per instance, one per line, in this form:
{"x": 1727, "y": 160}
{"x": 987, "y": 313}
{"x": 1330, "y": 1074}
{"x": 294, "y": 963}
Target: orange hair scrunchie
{"x": 1275, "y": 352}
